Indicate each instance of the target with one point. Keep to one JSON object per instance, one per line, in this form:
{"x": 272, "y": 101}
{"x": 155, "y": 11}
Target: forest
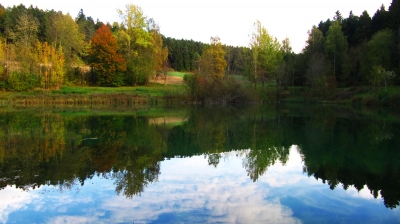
{"x": 46, "y": 49}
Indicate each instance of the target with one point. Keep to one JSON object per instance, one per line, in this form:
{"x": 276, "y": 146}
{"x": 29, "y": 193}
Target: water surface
{"x": 286, "y": 164}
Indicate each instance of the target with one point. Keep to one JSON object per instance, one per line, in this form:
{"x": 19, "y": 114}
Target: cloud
{"x": 73, "y": 219}
{"x": 224, "y": 195}
{"x": 196, "y": 193}
{"x": 13, "y": 199}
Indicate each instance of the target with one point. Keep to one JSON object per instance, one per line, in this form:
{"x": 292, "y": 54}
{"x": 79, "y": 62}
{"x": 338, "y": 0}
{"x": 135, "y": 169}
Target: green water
{"x": 253, "y": 164}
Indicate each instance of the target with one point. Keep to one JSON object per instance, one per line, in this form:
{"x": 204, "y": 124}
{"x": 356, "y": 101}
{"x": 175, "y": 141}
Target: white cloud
{"x": 13, "y": 199}
{"x": 226, "y": 195}
{"x": 223, "y": 194}
{"x": 73, "y": 219}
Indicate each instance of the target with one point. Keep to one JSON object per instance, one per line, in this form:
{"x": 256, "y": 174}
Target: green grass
{"x": 178, "y": 74}
{"x": 153, "y": 90}
{"x": 239, "y": 77}
{"x": 72, "y": 95}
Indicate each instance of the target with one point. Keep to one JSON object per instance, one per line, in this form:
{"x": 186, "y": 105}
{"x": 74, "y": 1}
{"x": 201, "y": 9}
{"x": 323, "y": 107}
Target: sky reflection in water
{"x": 189, "y": 190}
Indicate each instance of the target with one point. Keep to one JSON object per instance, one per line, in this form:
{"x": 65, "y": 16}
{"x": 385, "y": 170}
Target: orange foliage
{"x": 104, "y": 58}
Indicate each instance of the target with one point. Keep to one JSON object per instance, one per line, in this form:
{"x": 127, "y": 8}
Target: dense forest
{"x": 46, "y": 49}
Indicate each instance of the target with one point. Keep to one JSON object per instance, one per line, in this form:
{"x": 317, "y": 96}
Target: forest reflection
{"x": 338, "y": 145}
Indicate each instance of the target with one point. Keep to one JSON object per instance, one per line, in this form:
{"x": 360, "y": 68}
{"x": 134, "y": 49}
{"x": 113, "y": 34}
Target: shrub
{"x": 216, "y": 90}
{"x": 21, "y": 82}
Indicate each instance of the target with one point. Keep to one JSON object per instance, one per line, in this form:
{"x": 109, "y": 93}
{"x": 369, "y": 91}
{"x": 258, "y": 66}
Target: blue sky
{"x": 189, "y": 190}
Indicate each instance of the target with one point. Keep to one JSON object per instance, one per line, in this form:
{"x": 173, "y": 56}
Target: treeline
{"x": 47, "y": 49}
{"x": 357, "y": 50}
{"x": 352, "y": 51}
{"x": 185, "y": 55}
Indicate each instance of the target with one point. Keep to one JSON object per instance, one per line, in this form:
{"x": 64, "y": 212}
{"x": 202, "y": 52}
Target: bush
{"x": 19, "y": 82}
{"x": 225, "y": 90}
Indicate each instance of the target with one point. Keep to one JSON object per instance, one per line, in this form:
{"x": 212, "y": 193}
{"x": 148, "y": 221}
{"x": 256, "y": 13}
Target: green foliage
{"x": 21, "y": 82}
{"x": 267, "y": 53}
{"x": 183, "y": 54}
{"x": 209, "y": 90}
{"x": 86, "y": 25}
{"x": 335, "y": 46}
{"x": 140, "y": 50}
{"x": 64, "y": 148}
{"x": 178, "y": 74}
{"x": 379, "y": 50}
{"x": 379, "y": 77}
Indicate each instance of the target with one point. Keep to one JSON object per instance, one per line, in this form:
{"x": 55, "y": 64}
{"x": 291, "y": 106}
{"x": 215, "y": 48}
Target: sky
{"x": 201, "y": 193}
{"x": 230, "y": 20}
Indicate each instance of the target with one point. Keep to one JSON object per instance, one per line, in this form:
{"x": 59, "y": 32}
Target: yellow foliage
{"x": 50, "y": 64}
{"x": 213, "y": 60}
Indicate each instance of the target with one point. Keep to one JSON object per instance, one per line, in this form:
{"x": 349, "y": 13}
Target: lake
{"x": 249, "y": 164}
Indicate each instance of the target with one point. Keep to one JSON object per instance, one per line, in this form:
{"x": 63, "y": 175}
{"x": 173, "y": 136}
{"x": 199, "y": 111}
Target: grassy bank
{"x": 151, "y": 94}
{"x": 360, "y": 95}
{"x": 155, "y": 94}
{"x": 178, "y": 74}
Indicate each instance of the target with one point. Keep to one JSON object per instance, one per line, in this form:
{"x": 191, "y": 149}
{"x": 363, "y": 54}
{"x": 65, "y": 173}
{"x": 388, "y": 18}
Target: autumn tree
{"x": 160, "y": 53}
{"x": 50, "y": 64}
{"x": 213, "y": 62}
{"x": 2, "y": 56}
{"x": 104, "y": 59}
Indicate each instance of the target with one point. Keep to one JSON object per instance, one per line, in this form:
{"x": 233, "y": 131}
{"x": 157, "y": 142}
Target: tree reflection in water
{"x": 337, "y": 145}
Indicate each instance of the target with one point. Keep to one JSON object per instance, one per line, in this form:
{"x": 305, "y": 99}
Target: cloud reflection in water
{"x": 190, "y": 190}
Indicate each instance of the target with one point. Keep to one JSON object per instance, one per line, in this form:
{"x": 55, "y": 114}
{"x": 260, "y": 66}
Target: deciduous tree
{"x": 104, "y": 59}
{"x": 213, "y": 62}
{"x": 266, "y": 53}
{"x": 140, "y": 48}
{"x": 64, "y": 32}
{"x": 335, "y": 45}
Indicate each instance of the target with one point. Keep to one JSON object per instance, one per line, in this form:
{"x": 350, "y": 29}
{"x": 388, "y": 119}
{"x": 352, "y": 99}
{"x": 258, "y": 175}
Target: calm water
{"x": 286, "y": 164}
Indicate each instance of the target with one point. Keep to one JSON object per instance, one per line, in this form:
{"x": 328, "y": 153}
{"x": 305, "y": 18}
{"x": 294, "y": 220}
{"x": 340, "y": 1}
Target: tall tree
{"x": 86, "y": 25}
{"x": 315, "y": 41}
{"x": 287, "y": 63}
{"x": 64, "y": 32}
{"x": 379, "y": 51}
{"x": 213, "y": 62}
{"x": 380, "y": 20}
{"x": 26, "y": 30}
{"x": 363, "y": 30}
{"x": 140, "y": 48}
{"x": 50, "y": 63}
{"x": 104, "y": 59}
{"x": 160, "y": 53}
{"x": 2, "y": 57}
{"x": 335, "y": 45}
{"x": 349, "y": 26}
{"x": 266, "y": 53}
{"x": 394, "y": 24}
